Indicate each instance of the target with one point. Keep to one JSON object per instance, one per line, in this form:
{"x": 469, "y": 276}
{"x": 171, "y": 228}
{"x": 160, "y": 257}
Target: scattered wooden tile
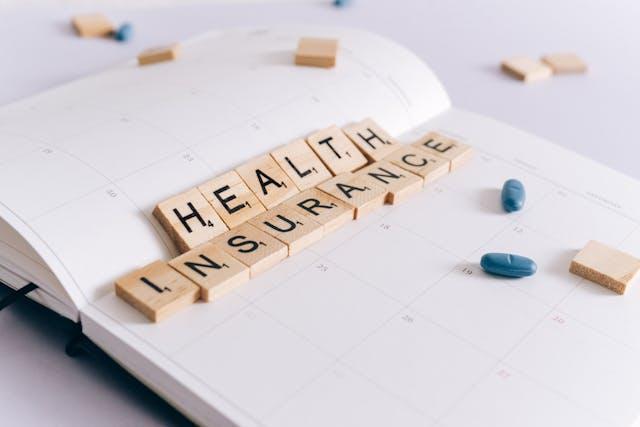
{"x": 336, "y": 150}
{"x": 565, "y": 63}
{"x": 158, "y": 54}
{"x": 157, "y": 290}
{"x": 454, "y": 151}
{"x": 213, "y": 270}
{"x": 267, "y": 180}
{"x": 419, "y": 162}
{"x": 92, "y": 25}
{"x": 526, "y": 69}
{"x": 323, "y": 208}
{"x": 301, "y": 164}
{"x": 189, "y": 219}
{"x": 371, "y": 139}
{"x": 398, "y": 183}
{"x": 254, "y": 248}
{"x": 231, "y": 198}
{"x": 364, "y": 196}
{"x": 317, "y": 52}
{"x": 292, "y": 228}
{"x": 605, "y": 266}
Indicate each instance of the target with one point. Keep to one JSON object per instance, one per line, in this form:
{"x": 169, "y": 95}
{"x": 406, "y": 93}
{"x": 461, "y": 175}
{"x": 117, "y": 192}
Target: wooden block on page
{"x": 605, "y": 266}
{"x": 92, "y": 25}
{"x": 189, "y": 219}
{"x": 267, "y": 180}
{"x": 157, "y": 290}
{"x": 448, "y": 148}
{"x": 323, "y": 208}
{"x": 231, "y": 198}
{"x": 254, "y": 248}
{"x": 159, "y": 54}
{"x": 355, "y": 191}
{"x": 428, "y": 166}
{"x": 301, "y": 164}
{"x": 526, "y": 69}
{"x": 398, "y": 183}
{"x": 292, "y": 228}
{"x": 336, "y": 151}
{"x": 316, "y": 52}
{"x": 562, "y": 63}
{"x": 216, "y": 272}
{"x": 374, "y": 142}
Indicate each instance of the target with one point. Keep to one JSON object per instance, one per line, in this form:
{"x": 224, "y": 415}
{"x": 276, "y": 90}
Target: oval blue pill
{"x": 124, "y": 32}
{"x": 513, "y": 195}
{"x": 508, "y": 265}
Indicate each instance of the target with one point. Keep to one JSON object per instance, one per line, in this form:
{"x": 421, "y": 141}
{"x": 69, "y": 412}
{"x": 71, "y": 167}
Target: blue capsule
{"x": 513, "y": 195}
{"x": 124, "y": 32}
{"x": 340, "y": 3}
{"x": 508, "y": 265}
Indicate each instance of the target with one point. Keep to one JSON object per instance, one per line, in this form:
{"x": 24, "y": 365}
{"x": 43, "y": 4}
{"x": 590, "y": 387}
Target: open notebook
{"x": 388, "y": 321}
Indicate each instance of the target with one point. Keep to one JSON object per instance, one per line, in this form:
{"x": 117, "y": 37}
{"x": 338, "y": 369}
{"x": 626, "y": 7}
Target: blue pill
{"x": 508, "y": 265}
{"x": 124, "y": 32}
{"x": 340, "y": 2}
{"x": 513, "y": 195}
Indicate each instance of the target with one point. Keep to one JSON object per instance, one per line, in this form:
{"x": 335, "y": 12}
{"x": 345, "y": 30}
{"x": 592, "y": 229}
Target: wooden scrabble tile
{"x": 317, "y": 52}
{"x": 526, "y": 69}
{"x": 301, "y": 164}
{"x": 212, "y": 269}
{"x": 323, "y": 208}
{"x": 231, "y": 198}
{"x": 254, "y": 248}
{"x": 565, "y": 63}
{"x": 456, "y": 152}
{"x": 189, "y": 219}
{"x": 292, "y": 228}
{"x": 267, "y": 180}
{"x": 92, "y": 25}
{"x": 399, "y": 183}
{"x": 371, "y": 139}
{"x": 336, "y": 150}
{"x": 355, "y": 191}
{"x": 419, "y": 162}
{"x": 157, "y": 290}
{"x": 159, "y": 54}
{"x": 605, "y": 266}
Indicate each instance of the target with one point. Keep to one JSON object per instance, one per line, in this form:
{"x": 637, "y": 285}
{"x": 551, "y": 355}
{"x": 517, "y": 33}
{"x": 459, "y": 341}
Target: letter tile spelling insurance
{"x": 215, "y": 271}
{"x": 419, "y": 162}
{"x": 371, "y": 139}
{"x": 316, "y": 52}
{"x": 158, "y": 54}
{"x": 92, "y": 25}
{"x": 189, "y": 219}
{"x": 323, "y": 208}
{"x": 454, "y": 151}
{"x": 231, "y": 198}
{"x": 336, "y": 150}
{"x": 297, "y": 231}
{"x": 267, "y": 180}
{"x": 301, "y": 164}
{"x": 399, "y": 184}
{"x": 365, "y": 197}
{"x": 254, "y": 248}
{"x": 157, "y": 290}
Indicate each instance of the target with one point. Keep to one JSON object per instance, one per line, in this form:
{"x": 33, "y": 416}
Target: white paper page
{"x": 390, "y": 321}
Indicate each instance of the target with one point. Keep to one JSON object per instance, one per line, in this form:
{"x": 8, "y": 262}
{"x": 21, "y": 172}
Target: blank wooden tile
{"x": 428, "y": 166}
{"x": 158, "y": 54}
{"x": 399, "y": 183}
{"x": 336, "y": 151}
{"x": 92, "y": 25}
{"x": 454, "y": 151}
{"x": 254, "y": 248}
{"x": 374, "y": 142}
{"x": 526, "y": 69}
{"x": 157, "y": 290}
{"x": 189, "y": 219}
{"x": 316, "y": 52}
{"x": 355, "y": 191}
{"x": 231, "y": 198}
{"x": 213, "y": 270}
{"x": 565, "y": 63}
{"x": 292, "y": 228}
{"x": 323, "y": 208}
{"x": 605, "y": 266}
{"x": 301, "y": 164}
{"x": 267, "y": 180}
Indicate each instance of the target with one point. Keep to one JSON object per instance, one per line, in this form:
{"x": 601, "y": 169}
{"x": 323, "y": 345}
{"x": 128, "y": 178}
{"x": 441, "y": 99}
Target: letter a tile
{"x": 336, "y": 150}
{"x": 399, "y": 183}
{"x": 323, "y": 208}
{"x": 302, "y": 165}
{"x": 456, "y": 152}
{"x": 267, "y": 180}
{"x": 371, "y": 139}
{"x": 297, "y": 231}
{"x": 364, "y": 196}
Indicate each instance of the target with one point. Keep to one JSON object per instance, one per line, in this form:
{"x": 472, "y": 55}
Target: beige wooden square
{"x": 301, "y": 164}
{"x": 297, "y": 231}
{"x": 355, "y": 191}
{"x": 565, "y": 63}
{"x": 231, "y": 198}
{"x": 92, "y": 25}
{"x": 323, "y": 208}
{"x": 419, "y": 162}
{"x": 157, "y": 290}
{"x": 316, "y": 52}
{"x": 374, "y": 142}
{"x": 254, "y": 248}
{"x": 267, "y": 180}
{"x": 159, "y": 54}
{"x": 215, "y": 271}
{"x": 336, "y": 150}
{"x": 526, "y": 69}
{"x": 399, "y": 183}
{"x": 454, "y": 151}
{"x": 605, "y": 266}
{"x": 189, "y": 219}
